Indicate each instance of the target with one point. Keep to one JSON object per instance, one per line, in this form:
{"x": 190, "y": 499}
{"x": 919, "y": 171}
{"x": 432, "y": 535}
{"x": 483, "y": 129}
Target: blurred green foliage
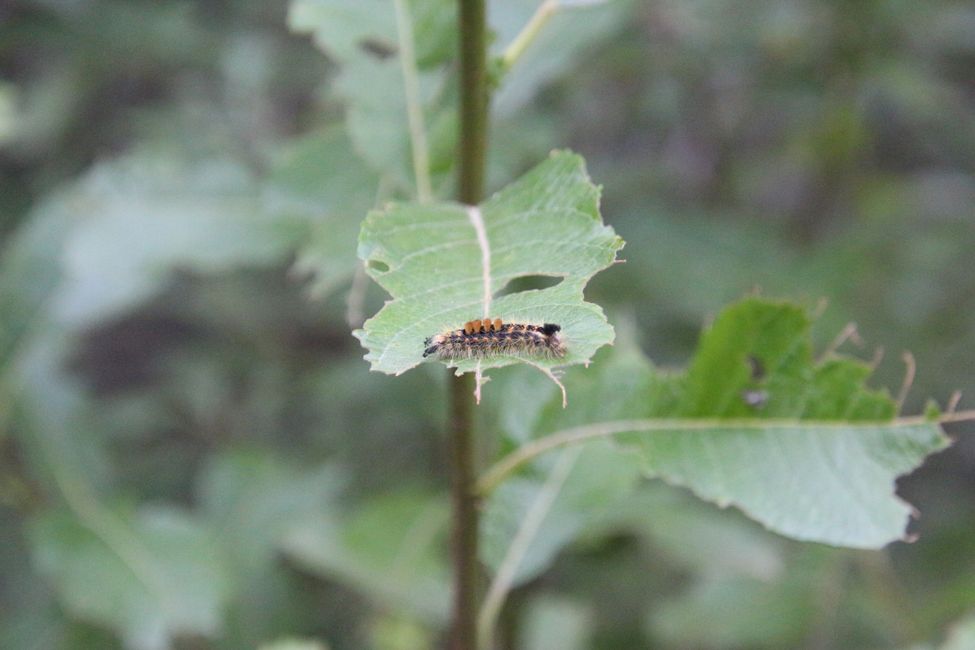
{"x": 193, "y": 454}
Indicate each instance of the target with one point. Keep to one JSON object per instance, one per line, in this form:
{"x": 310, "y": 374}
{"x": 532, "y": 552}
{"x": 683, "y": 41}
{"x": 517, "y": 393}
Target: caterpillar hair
{"x": 489, "y": 338}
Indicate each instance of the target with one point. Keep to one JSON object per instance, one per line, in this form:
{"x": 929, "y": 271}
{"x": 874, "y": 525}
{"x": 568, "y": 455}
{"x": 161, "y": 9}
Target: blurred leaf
{"x": 321, "y": 180}
{"x": 567, "y": 37}
{"x": 365, "y": 39}
{"x": 697, "y": 535}
{"x": 142, "y": 217}
{"x": 349, "y": 29}
{"x": 169, "y": 581}
{"x": 736, "y": 612}
{"x": 253, "y": 499}
{"x": 389, "y": 548}
{"x": 30, "y": 271}
{"x": 294, "y": 644}
{"x": 428, "y": 257}
{"x": 376, "y": 114}
{"x": 556, "y": 623}
{"x": 341, "y": 27}
{"x": 51, "y": 410}
{"x": 829, "y": 480}
{"x": 398, "y": 633}
{"x": 529, "y": 519}
{"x": 961, "y": 636}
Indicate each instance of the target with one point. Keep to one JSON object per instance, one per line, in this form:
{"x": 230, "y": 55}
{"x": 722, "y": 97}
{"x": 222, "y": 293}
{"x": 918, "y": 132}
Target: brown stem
{"x": 465, "y": 515}
{"x": 470, "y": 188}
{"x": 473, "y": 101}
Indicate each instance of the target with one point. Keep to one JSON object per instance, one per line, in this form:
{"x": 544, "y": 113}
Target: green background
{"x": 178, "y": 210}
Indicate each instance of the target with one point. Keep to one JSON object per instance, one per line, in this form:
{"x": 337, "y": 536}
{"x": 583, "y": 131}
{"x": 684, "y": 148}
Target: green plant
{"x": 752, "y": 391}
{"x": 243, "y": 484}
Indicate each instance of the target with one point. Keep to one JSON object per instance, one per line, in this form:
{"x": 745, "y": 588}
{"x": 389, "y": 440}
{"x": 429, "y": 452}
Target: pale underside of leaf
{"x": 445, "y": 264}
{"x": 828, "y": 484}
{"x": 816, "y": 461}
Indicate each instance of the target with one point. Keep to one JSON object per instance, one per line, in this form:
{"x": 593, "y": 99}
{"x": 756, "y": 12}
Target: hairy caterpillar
{"x": 487, "y": 338}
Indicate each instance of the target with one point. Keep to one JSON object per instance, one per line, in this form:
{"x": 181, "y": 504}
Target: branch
{"x": 472, "y": 34}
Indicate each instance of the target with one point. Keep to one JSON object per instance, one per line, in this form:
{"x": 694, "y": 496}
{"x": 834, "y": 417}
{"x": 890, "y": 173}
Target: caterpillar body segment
{"x": 483, "y": 338}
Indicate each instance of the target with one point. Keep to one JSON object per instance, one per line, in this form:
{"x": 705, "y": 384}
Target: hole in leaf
{"x": 756, "y": 367}
{"x": 755, "y": 398}
{"x": 379, "y": 49}
{"x": 378, "y": 266}
{"x": 529, "y": 283}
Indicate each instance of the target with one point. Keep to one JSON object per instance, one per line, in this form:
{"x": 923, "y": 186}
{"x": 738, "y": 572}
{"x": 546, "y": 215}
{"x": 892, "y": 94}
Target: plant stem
{"x": 473, "y": 101}
{"x": 465, "y": 515}
{"x": 470, "y": 188}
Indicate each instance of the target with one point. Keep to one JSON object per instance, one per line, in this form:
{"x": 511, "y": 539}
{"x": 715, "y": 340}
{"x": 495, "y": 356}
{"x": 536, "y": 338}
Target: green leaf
{"x": 429, "y": 259}
{"x": 737, "y": 612}
{"x": 390, "y": 548}
{"x": 294, "y": 644}
{"x": 171, "y": 581}
{"x": 396, "y": 632}
{"x": 820, "y": 481}
{"x": 694, "y": 534}
{"x": 556, "y": 623}
{"x": 831, "y": 484}
{"x": 364, "y": 38}
{"x": 320, "y": 180}
{"x": 558, "y": 49}
{"x": 253, "y": 500}
{"x": 59, "y": 441}
{"x": 376, "y": 113}
{"x": 529, "y": 519}
{"x": 961, "y": 635}
{"x": 344, "y": 29}
{"x": 143, "y": 216}
{"x": 32, "y": 252}
{"x": 341, "y": 27}
{"x": 815, "y": 460}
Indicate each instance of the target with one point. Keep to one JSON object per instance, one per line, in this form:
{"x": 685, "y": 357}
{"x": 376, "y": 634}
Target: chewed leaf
{"x": 445, "y": 265}
{"x": 815, "y": 459}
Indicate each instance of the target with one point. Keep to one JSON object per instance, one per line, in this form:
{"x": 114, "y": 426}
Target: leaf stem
{"x": 528, "y": 33}
{"x": 414, "y": 107}
{"x": 497, "y": 473}
{"x": 534, "y": 26}
{"x": 472, "y": 148}
{"x": 103, "y": 524}
{"x": 527, "y": 531}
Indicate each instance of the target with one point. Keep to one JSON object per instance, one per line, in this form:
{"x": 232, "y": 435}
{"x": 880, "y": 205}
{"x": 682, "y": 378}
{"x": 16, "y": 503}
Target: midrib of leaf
{"x": 116, "y": 536}
{"x": 78, "y": 494}
{"x": 497, "y": 473}
{"x": 527, "y": 531}
{"x": 477, "y": 222}
{"x": 414, "y": 109}
{"x": 447, "y": 261}
{"x": 528, "y": 33}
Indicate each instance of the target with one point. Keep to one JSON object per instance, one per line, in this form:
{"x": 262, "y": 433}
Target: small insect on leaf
{"x": 446, "y": 264}
{"x": 489, "y": 338}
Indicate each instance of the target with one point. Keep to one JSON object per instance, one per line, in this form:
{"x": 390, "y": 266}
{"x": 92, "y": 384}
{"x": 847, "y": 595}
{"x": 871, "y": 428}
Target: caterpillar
{"x": 487, "y": 338}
